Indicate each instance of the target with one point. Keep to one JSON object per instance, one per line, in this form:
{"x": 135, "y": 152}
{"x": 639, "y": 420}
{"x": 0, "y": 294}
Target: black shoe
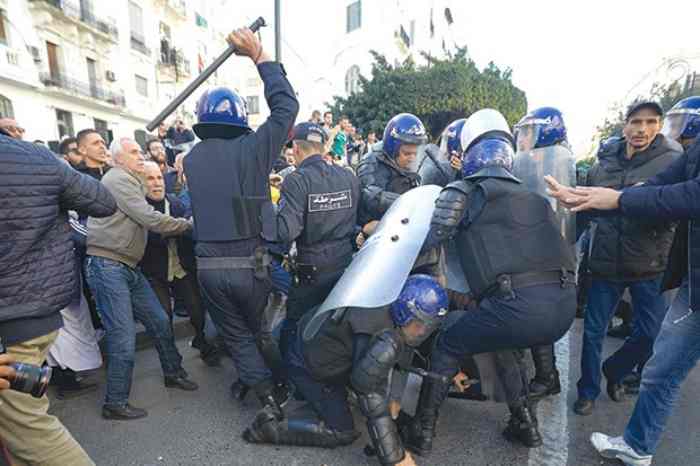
{"x": 183, "y": 383}
{"x": 621, "y": 331}
{"x": 210, "y": 355}
{"x": 123, "y": 413}
{"x": 282, "y": 393}
{"x": 584, "y": 407}
{"x": 522, "y": 427}
{"x": 239, "y": 390}
{"x": 632, "y": 383}
{"x": 616, "y": 390}
{"x": 543, "y": 388}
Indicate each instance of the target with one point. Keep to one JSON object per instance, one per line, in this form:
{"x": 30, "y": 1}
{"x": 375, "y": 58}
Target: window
{"x": 101, "y": 126}
{"x": 6, "y": 110}
{"x": 136, "y": 23}
{"x": 164, "y": 30}
{"x": 352, "y": 80}
{"x": 3, "y": 30}
{"x": 354, "y": 16}
{"x": 64, "y": 121}
{"x": 413, "y": 31}
{"x": 253, "y": 103}
{"x": 141, "y": 85}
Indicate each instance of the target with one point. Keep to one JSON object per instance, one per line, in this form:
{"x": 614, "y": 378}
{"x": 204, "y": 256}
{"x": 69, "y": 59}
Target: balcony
{"x": 82, "y": 89}
{"x": 173, "y": 61}
{"x": 82, "y": 14}
{"x": 138, "y": 43}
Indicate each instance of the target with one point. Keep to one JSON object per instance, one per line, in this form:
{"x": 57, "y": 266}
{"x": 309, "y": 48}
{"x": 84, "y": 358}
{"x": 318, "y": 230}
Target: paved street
{"x": 204, "y": 427}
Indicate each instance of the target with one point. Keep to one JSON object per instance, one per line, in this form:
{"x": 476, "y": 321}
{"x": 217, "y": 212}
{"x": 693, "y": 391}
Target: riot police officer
{"x": 317, "y": 210}
{"x": 682, "y": 122}
{"x": 518, "y": 267}
{"x": 389, "y": 169}
{"x": 359, "y": 350}
{"x": 441, "y": 164}
{"x": 543, "y": 149}
{"x": 227, "y": 174}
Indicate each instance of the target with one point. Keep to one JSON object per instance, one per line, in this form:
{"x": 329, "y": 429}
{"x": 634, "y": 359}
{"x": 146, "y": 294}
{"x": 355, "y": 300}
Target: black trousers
{"x": 535, "y": 315}
{"x": 236, "y": 299}
{"x": 187, "y": 289}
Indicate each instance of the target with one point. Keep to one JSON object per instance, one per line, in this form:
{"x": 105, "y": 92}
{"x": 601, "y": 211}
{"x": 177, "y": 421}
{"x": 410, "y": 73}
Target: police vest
{"x": 514, "y": 233}
{"x": 329, "y": 354}
{"x": 230, "y": 194}
{"x": 330, "y": 215}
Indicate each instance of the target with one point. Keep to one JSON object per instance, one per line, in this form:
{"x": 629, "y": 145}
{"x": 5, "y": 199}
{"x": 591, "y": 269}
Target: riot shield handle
{"x": 204, "y": 75}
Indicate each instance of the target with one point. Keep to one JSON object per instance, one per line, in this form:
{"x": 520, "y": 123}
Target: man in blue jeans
{"x": 674, "y": 194}
{"x": 625, "y": 253}
{"x": 115, "y": 245}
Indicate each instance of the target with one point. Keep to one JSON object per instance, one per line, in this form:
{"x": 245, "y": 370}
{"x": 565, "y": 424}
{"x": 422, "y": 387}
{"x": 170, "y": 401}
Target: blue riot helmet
{"x": 542, "y": 127}
{"x": 404, "y": 128}
{"x": 682, "y": 122}
{"x": 422, "y": 299}
{"x": 451, "y": 141}
{"x": 221, "y": 113}
{"x": 487, "y": 142}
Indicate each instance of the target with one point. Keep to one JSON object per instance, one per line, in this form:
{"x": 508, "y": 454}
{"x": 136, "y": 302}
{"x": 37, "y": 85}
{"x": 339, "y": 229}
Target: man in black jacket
{"x": 625, "y": 253}
{"x": 168, "y": 263}
{"x": 37, "y": 279}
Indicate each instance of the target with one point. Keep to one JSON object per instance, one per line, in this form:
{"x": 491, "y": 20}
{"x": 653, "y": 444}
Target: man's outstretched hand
{"x": 583, "y": 198}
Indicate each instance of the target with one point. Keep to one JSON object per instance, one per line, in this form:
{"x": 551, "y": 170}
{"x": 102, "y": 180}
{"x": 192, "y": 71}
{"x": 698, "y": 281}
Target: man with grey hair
{"x": 115, "y": 245}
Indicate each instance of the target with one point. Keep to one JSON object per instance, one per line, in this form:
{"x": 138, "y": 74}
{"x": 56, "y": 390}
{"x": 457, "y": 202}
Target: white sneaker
{"x": 617, "y": 448}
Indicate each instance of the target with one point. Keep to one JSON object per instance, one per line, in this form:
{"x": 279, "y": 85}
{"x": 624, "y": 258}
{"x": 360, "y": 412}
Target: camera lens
{"x": 31, "y": 379}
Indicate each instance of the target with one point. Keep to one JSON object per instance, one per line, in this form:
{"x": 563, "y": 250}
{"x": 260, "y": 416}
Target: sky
{"x": 580, "y": 56}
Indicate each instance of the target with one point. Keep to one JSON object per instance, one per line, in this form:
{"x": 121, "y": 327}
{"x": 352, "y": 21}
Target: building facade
{"x": 66, "y": 65}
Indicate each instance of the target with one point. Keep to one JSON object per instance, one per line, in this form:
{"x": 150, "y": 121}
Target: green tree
{"x": 437, "y": 93}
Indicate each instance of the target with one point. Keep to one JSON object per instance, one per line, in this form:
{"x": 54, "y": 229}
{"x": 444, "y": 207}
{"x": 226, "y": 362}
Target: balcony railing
{"x": 138, "y": 43}
{"x": 83, "y": 89}
{"x": 85, "y": 15}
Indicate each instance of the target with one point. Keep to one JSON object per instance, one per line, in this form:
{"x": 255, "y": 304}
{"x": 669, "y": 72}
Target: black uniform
{"x": 382, "y": 181}
{"x": 359, "y": 351}
{"x": 228, "y": 182}
{"x": 519, "y": 269}
{"x": 318, "y": 210}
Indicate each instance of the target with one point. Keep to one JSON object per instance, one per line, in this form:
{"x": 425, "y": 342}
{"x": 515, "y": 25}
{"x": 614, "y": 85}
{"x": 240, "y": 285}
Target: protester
{"x": 93, "y": 150}
{"x": 11, "y": 128}
{"x": 75, "y": 349}
{"x": 156, "y": 151}
{"x": 168, "y": 264}
{"x": 672, "y": 195}
{"x": 115, "y": 245}
{"x": 625, "y": 253}
{"x": 38, "y": 279}
{"x": 68, "y": 149}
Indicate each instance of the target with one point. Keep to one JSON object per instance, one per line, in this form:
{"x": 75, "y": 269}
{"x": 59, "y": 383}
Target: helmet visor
{"x": 675, "y": 124}
{"x": 527, "y": 136}
{"x": 422, "y": 325}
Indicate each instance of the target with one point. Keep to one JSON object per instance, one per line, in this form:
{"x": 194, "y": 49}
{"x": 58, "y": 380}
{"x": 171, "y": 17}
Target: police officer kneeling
{"x": 227, "y": 174}
{"x": 517, "y": 265}
{"x": 317, "y": 210}
{"x": 360, "y": 350}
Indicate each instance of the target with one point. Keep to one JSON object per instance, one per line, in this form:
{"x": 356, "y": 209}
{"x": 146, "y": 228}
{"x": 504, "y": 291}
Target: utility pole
{"x": 278, "y": 32}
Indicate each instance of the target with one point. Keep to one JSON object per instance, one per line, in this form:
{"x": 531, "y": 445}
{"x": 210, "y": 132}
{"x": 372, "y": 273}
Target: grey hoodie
{"x": 122, "y": 236}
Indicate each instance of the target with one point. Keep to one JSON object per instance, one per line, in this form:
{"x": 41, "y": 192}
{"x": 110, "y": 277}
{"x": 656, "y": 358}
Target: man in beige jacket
{"x": 115, "y": 245}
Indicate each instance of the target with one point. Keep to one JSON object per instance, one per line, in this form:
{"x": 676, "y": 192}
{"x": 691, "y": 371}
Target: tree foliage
{"x": 438, "y": 93}
{"x": 665, "y": 94}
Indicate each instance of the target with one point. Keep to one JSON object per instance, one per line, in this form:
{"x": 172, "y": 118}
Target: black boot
{"x": 301, "y": 432}
{"x": 546, "y": 381}
{"x": 266, "y": 391}
{"x": 419, "y": 432}
{"x": 522, "y": 426}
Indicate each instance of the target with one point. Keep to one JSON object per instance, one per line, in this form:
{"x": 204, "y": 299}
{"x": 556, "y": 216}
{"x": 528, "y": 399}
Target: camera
{"x": 28, "y": 377}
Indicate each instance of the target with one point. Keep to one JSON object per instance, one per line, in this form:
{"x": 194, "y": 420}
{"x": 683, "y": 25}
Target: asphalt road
{"x": 204, "y": 427}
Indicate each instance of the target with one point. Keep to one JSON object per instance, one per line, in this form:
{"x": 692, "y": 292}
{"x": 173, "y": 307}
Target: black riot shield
{"x": 378, "y": 271}
{"x": 558, "y": 161}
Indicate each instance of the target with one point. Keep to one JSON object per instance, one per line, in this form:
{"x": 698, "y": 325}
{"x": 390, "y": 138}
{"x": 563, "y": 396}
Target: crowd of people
{"x": 331, "y": 264}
